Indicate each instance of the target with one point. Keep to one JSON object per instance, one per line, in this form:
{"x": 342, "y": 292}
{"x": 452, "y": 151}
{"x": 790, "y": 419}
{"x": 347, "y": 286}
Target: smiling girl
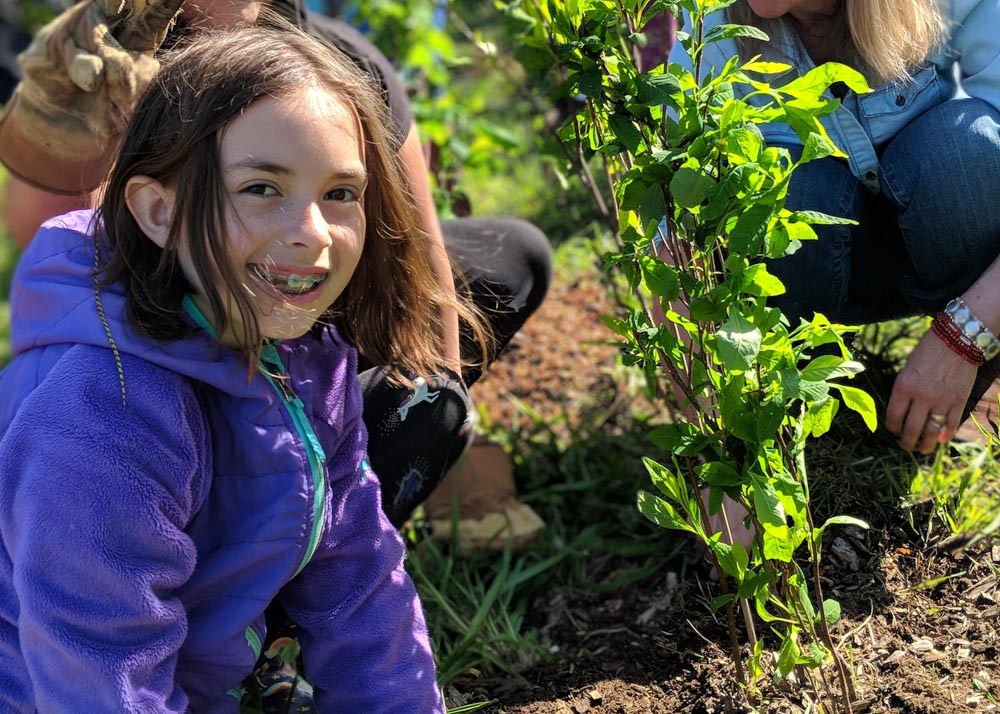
{"x": 181, "y": 441}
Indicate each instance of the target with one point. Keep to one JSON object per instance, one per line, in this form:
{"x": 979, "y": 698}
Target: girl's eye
{"x": 261, "y": 189}
{"x": 342, "y": 194}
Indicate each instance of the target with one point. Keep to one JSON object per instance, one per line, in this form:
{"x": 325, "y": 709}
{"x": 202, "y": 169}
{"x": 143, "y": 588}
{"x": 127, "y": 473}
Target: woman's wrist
{"x": 973, "y": 328}
{"x": 964, "y": 333}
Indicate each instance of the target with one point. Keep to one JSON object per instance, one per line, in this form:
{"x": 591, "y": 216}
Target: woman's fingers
{"x": 145, "y": 23}
{"x": 940, "y": 428}
{"x": 927, "y": 398}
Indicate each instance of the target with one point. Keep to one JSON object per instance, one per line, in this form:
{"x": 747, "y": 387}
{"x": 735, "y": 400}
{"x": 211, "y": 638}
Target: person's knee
{"x": 950, "y": 150}
{"x": 536, "y": 256}
{"x": 937, "y": 172}
{"x": 415, "y": 434}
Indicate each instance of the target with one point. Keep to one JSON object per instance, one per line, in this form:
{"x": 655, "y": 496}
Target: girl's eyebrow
{"x": 250, "y": 162}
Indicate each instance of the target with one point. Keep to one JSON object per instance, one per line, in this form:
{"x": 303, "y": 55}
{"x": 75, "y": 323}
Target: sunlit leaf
{"x": 738, "y": 342}
{"x": 860, "y": 401}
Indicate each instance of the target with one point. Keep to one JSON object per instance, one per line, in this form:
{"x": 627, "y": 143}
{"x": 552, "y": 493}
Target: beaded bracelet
{"x": 974, "y": 329}
{"x": 945, "y": 328}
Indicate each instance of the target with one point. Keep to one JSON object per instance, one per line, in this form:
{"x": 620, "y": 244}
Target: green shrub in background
{"x": 8, "y": 258}
{"x": 35, "y": 13}
{"x": 688, "y": 168}
{"x": 417, "y": 35}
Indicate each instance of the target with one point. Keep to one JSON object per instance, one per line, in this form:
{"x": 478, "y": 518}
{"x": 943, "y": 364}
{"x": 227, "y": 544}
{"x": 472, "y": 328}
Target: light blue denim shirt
{"x": 968, "y": 63}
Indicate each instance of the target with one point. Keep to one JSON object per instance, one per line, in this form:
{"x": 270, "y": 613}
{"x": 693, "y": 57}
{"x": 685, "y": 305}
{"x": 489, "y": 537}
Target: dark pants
{"x": 416, "y": 435}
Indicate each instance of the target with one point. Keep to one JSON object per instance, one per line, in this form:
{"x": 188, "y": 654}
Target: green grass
{"x": 8, "y": 258}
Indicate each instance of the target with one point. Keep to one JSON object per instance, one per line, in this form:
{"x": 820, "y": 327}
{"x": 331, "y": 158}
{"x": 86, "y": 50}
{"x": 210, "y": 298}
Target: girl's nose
{"x": 311, "y": 230}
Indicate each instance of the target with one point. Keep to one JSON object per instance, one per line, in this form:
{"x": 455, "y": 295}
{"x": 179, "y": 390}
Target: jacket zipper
{"x": 314, "y": 451}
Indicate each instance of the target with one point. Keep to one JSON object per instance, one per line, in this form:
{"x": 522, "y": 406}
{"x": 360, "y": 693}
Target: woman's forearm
{"x": 419, "y": 182}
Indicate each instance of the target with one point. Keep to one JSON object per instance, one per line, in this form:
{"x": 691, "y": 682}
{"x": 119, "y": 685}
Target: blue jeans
{"x": 933, "y": 228}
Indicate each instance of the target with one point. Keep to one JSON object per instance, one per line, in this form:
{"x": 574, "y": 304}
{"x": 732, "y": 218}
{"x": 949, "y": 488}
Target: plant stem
{"x": 846, "y": 681}
{"x": 744, "y": 605}
{"x": 734, "y": 643}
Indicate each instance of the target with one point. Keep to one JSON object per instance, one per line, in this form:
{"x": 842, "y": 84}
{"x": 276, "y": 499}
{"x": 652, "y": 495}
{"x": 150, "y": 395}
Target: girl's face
{"x": 294, "y": 175}
{"x": 799, "y": 9}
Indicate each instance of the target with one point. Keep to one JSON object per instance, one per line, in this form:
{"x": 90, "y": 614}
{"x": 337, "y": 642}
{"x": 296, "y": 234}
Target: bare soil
{"x": 919, "y": 629}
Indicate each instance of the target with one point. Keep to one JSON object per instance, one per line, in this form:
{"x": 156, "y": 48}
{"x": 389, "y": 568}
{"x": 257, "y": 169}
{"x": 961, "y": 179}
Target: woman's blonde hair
{"x": 884, "y": 39}
{"x": 390, "y": 310}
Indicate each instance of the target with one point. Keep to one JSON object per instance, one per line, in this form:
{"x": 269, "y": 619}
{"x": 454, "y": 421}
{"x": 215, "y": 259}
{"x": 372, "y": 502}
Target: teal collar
{"x": 195, "y": 313}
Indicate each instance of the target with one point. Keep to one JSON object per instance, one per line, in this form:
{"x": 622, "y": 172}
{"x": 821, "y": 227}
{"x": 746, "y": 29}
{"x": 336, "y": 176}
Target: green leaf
{"x": 828, "y": 367}
{"x": 732, "y": 558}
{"x": 743, "y": 142}
{"x": 706, "y": 309}
{"x": 721, "y": 601}
{"x": 689, "y": 187}
{"x": 779, "y": 543}
{"x": 718, "y": 473}
{"x": 652, "y": 208}
{"x": 817, "y": 147}
{"x": 662, "y": 513}
{"x": 860, "y": 401}
{"x": 831, "y": 611}
{"x": 767, "y": 505}
{"x": 682, "y": 439}
{"x": 747, "y": 236}
{"x": 819, "y": 219}
{"x": 762, "y": 67}
{"x": 788, "y": 655}
{"x": 655, "y": 90}
{"x": 814, "y": 391}
{"x": 816, "y": 655}
{"x": 769, "y": 420}
{"x": 738, "y": 341}
{"x": 819, "y": 417}
{"x": 726, "y": 32}
{"x": 659, "y": 277}
{"x": 617, "y": 326}
{"x": 757, "y": 281}
{"x": 589, "y": 83}
{"x": 626, "y": 132}
{"x": 815, "y": 82}
{"x": 839, "y": 520}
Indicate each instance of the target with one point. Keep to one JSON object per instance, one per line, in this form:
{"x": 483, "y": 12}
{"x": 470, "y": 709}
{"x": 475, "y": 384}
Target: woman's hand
{"x": 926, "y": 403}
{"x": 83, "y": 74}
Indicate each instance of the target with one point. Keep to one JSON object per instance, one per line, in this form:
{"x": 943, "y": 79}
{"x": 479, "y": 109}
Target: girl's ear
{"x": 152, "y": 205}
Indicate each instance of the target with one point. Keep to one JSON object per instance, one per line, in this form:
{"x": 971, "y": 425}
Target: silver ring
{"x": 936, "y": 420}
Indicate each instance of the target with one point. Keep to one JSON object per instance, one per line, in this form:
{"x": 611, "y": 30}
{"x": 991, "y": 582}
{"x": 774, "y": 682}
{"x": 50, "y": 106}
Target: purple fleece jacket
{"x": 141, "y": 543}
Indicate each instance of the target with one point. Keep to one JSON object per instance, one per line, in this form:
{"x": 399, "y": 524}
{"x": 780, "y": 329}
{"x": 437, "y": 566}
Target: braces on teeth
{"x": 294, "y": 282}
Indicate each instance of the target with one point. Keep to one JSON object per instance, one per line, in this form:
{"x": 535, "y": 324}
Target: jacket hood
{"x": 55, "y": 300}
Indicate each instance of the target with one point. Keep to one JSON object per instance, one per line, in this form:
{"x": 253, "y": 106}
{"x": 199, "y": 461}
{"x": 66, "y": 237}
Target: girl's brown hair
{"x": 884, "y": 39}
{"x": 390, "y": 310}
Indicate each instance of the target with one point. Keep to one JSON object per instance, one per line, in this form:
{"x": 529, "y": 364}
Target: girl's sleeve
{"x": 976, "y": 45}
{"x": 363, "y": 635}
{"x": 94, "y": 498}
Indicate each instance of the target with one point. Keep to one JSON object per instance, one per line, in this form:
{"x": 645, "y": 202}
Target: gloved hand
{"x": 83, "y": 74}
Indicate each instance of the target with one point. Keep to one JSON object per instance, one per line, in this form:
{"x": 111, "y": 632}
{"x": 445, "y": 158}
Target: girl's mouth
{"x": 290, "y": 283}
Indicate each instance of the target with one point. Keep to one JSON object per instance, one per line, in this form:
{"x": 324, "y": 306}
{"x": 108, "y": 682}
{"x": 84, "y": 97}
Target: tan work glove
{"x": 83, "y": 74}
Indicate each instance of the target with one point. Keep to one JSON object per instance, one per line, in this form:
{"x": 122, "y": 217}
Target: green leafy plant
{"x": 698, "y": 210}
{"x": 431, "y": 45}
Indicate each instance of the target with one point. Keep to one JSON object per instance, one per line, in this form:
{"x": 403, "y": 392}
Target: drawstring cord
{"x": 104, "y": 320}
